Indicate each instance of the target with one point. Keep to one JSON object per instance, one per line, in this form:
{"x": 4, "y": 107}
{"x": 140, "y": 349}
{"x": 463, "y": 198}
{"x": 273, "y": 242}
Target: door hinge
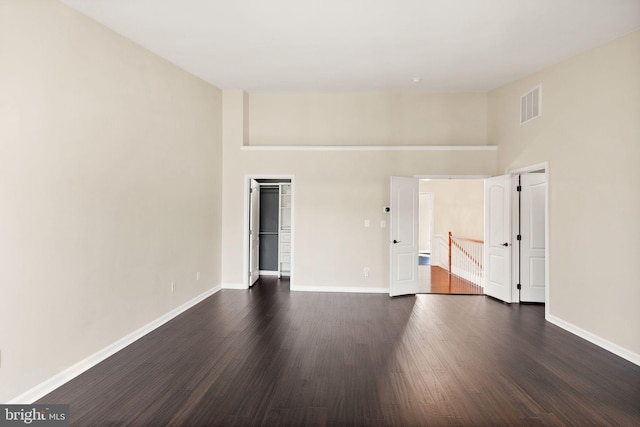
{"x": 519, "y": 237}
{"x": 519, "y": 286}
{"x": 519, "y": 188}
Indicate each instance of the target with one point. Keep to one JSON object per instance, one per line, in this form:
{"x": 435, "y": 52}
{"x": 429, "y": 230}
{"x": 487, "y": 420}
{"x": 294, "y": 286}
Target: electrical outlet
{"x": 365, "y": 272}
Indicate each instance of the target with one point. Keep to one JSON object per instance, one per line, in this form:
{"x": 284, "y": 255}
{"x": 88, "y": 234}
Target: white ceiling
{"x": 365, "y": 45}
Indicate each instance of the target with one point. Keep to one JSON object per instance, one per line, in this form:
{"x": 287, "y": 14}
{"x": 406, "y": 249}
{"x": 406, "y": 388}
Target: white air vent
{"x": 531, "y": 105}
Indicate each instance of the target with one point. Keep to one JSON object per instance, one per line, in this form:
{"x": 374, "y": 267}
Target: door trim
{"x": 246, "y": 277}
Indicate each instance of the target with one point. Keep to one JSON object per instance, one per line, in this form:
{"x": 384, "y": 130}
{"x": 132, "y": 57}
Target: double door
{"x": 502, "y": 209}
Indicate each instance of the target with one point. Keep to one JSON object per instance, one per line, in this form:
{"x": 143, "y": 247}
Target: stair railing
{"x": 465, "y": 258}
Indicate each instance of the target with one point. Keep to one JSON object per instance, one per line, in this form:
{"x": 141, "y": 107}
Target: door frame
{"x": 246, "y": 277}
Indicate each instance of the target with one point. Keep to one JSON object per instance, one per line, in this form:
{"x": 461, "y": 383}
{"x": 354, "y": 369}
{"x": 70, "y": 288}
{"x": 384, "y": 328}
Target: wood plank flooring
{"x": 270, "y": 357}
{"x": 437, "y": 280}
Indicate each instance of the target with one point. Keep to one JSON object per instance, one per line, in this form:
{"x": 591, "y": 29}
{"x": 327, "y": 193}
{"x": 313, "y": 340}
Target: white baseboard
{"x": 70, "y": 373}
{"x": 268, "y": 273}
{"x": 234, "y": 286}
{"x": 348, "y": 289}
{"x": 595, "y": 339}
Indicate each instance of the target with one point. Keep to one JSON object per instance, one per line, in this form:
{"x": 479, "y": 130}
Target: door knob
{"x": 396, "y": 241}
{"x": 505, "y": 244}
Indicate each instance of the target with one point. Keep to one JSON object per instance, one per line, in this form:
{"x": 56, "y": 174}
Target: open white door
{"x": 532, "y": 243}
{"x": 254, "y": 233}
{"x": 404, "y": 236}
{"x": 497, "y": 232}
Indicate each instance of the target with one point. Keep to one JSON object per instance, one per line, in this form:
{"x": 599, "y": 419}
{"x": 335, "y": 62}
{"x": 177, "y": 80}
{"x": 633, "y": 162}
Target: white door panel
{"x": 404, "y": 236}
{"x": 532, "y": 230}
{"x": 497, "y": 223}
{"x": 254, "y": 232}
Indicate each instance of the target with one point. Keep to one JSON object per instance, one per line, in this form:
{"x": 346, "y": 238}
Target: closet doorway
{"x": 270, "y": 205}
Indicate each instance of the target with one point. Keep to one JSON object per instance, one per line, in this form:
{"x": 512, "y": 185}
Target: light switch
{"x": 367, "y": 223}
{"x": 383, "y": 223}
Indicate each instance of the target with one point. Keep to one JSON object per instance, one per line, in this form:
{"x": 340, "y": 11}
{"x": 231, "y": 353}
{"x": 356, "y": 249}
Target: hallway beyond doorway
{"x": 437, "y": 280}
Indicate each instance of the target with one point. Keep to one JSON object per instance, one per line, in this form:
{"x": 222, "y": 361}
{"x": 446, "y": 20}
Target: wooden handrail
{"x": 469, "y": 240}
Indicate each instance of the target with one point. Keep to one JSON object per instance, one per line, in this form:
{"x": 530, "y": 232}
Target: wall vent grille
{"x": 531, "y": 105}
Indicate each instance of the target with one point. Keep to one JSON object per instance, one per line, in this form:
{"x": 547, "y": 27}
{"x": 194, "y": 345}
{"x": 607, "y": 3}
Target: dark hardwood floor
{"x": 271, "y": 357}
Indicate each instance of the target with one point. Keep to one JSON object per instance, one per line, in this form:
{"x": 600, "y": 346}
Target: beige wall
{"x": 368, "y": 119}
{"x": 111, "y": 183}
{"x": 458, "y": 207}
{"x": 590, "y": 134}
{"x": 110, "y": 187}
{"x": 334, "y": 192}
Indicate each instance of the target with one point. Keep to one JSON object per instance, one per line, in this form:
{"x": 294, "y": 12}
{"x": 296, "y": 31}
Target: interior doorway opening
{"x": 269, "y": 228}
{"x": 448, "y": 206}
